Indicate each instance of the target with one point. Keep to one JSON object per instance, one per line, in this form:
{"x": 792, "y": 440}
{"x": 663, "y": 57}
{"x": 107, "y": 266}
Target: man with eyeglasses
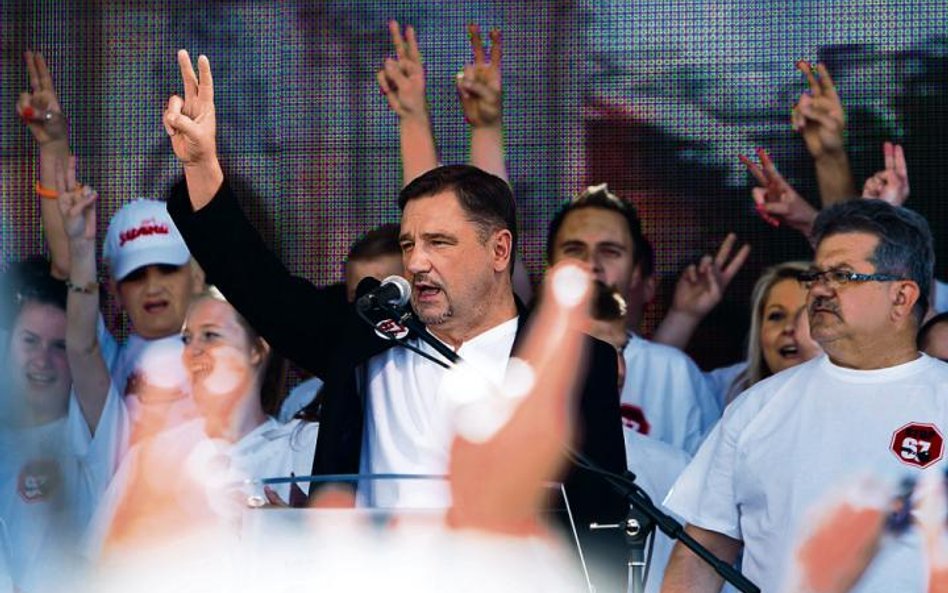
{"x": 872, "y": 404}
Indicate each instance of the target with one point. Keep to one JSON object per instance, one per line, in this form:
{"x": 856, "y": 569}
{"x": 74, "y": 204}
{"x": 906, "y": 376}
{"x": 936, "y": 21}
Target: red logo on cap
{"x": 918, "y": 443}
{"x": 148, "y": 227}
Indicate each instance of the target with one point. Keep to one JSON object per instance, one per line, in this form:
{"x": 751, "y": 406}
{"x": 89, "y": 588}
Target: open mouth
{"x": 155, "y": 307}
{"x": 789, "y": 351}
{"x": 426, "y": 292}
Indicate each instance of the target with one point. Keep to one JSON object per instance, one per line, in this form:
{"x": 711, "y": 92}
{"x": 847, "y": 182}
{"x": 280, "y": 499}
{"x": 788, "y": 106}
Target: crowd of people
{"x": 111, "y": 448}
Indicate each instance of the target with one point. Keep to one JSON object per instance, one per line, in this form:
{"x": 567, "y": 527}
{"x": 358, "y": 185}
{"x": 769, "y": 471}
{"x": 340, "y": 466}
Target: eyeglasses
{"x": 836, "y": 277}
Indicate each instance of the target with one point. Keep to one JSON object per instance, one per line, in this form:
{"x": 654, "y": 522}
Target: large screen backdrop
{"x": 655, "y": 98}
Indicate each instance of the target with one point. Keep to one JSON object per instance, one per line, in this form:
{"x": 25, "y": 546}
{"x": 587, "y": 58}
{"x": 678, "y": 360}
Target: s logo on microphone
{"x": 389, "y": 329}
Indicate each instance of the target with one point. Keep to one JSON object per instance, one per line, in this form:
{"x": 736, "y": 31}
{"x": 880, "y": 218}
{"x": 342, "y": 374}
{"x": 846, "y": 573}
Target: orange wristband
{"x": 44, "y": 192}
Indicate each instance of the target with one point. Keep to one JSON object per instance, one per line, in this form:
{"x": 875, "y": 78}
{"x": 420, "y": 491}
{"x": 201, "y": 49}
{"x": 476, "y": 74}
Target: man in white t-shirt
{"x": 873, "y": 404}
{"x": 384, "y": 411}
{"x": 664, "y": 395}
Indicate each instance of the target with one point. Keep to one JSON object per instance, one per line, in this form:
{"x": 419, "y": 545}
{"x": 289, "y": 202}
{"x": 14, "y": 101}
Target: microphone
{"x": 377, "y": 301}
{"x": 393, "y": 292}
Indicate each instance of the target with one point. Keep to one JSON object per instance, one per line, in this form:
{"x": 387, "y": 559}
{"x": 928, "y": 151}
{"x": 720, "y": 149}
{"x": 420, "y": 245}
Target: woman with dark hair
{"x": 36, "y": 368}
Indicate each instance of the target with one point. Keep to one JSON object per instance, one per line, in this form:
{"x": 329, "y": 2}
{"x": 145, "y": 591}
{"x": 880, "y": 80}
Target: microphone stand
{"x": 637, "y": 527}
{"x": 642, "y": 502}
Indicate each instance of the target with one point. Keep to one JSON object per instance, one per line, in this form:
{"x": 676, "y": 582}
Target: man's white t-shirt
{"x": 721, "y": 382}
{"x": 665, "y": 395}
{"x": 51, "y": 478}
{"x": 784, "y": 444}
{"x": 408, "y": 424}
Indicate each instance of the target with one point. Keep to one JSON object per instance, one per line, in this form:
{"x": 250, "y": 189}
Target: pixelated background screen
{"x": 655, "y": 98}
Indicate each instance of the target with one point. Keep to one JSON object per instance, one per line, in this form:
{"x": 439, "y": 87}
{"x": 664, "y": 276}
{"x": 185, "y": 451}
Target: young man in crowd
{"x": 664, "y": 394}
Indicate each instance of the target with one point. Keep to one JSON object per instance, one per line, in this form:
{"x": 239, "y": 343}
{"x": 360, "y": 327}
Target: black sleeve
{"x": 299, "y": 320}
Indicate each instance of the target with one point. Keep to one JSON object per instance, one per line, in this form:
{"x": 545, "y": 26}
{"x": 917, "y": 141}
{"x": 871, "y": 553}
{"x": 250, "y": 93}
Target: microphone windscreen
{"x": 366, "y": 285}
{"x": 404, "y": 289}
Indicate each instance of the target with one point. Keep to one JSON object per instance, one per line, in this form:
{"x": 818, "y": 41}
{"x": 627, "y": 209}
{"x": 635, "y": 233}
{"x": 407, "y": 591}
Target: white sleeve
{"x": 720, "y": 380}
{"x": 97, "y": 456}
{"x": 695, "y": 407}
{"x": 705, "y": 397}
{"x": 704, "y": 495}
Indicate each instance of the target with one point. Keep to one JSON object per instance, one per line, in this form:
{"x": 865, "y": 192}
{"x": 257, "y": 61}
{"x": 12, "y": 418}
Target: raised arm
{"x": 776, "y": 200}
{"x": 892, "y": 183}
{"x": 192, "y": 125}
{"x": 297, "y": 319}
{"x": 39, "y": 109}
{"x": 90, "y": 375}
{"x": 480, "y": 90}
{"x": 699, "y": 290}
{"x": 402, "y": 81}
{"x": 818, "y": 116}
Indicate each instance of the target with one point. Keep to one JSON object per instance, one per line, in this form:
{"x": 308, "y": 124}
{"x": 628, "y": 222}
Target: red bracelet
{"x": 45, "y": 192}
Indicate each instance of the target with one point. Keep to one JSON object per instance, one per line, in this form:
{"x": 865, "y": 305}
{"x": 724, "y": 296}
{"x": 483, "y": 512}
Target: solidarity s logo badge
{"x": 918, "y": 443}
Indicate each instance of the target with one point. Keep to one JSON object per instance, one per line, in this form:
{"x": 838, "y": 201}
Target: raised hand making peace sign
{"x": 191, "y": 122}
{"x": 192, "y": 125}
{"x": 818, "y": 115}
{"x": 479, "y": 83}
{"x": 39, "y": 109}
{"x": 892, "y": 183}
{"x": 402, "y": 79}
{"x": 775, "y": 198}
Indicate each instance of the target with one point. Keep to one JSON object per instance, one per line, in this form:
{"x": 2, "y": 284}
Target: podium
{"x": 406, "y": 538}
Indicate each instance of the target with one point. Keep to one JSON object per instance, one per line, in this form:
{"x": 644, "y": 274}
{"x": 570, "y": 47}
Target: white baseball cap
{"x": 142, "y": 234}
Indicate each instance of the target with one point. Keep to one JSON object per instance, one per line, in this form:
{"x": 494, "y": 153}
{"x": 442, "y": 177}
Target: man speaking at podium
{"x": 381, "y": 410}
